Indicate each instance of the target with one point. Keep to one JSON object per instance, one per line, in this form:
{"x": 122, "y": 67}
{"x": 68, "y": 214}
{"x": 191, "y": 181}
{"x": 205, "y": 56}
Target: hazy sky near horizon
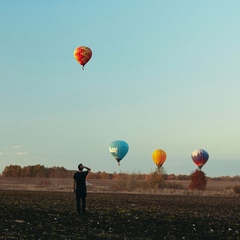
{"x": 164, "y": 74}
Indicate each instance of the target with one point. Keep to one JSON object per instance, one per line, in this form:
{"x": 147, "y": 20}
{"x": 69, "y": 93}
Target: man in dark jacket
{"x": 80, "y": 188}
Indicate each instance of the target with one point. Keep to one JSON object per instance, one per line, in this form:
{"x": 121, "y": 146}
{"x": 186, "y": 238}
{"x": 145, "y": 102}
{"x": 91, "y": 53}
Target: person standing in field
{"x": 80, "y": 188}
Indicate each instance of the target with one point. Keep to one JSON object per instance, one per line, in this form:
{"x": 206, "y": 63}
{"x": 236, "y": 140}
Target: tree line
{"x": 40, "y": 171}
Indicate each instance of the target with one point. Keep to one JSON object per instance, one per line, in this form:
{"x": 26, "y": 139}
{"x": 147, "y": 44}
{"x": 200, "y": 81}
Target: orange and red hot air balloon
{"x": 159, "y": 156}
{"x": 82, "y": 55}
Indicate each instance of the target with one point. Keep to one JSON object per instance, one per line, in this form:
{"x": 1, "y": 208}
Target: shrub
{"x": 128, "y": 182}
{"x": 237, "y": 189}
{"x": 155, "y": 180}
{"x": 198, "y": 180}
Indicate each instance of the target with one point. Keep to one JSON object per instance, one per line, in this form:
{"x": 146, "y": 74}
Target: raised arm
{"x": 88, "y": 169}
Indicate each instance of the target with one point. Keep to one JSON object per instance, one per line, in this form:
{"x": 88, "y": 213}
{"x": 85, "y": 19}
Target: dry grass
{"x": 214, "y": 188}
{"x": 51, "y": 184}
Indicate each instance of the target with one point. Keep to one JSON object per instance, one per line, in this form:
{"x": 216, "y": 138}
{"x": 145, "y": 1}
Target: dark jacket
{"x": 80, "y": 178}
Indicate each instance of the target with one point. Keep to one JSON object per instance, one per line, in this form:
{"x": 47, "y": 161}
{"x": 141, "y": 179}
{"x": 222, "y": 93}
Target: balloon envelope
{"x": 159, "y": 156}
{"x": 82, "y": 54}
{"x": 200, "y": 157}
{"x": 118, "y": 149}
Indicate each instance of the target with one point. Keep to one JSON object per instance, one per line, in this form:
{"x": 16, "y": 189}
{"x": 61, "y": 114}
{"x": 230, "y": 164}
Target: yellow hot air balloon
{"x": 159, "y": 156}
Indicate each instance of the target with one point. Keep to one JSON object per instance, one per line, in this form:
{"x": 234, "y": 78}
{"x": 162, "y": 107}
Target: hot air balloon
{"x": 82, "y": 55}
{"x": 118, "y": 149}
{"x": 200, "y": 157}
{"x": 159, "y": 156}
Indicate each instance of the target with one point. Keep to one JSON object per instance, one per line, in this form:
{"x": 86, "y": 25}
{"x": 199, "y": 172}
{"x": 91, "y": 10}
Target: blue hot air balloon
{"x": 118, "y": 149}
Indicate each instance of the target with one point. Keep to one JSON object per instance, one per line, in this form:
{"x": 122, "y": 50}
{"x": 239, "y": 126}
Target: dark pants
{"x": 81, "y": 202}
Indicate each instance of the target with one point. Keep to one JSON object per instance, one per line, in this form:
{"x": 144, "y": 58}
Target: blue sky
{"x": 164, "y": 74}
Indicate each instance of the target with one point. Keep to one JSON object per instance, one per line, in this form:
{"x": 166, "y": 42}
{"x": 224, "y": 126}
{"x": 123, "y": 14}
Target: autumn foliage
{"x": 35, "y": 171}
{"x": 198, "y": 180}
{"x": 237, "y": 189}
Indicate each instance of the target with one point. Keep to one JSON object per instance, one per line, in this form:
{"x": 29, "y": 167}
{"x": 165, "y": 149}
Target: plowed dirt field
{"x": 52, "y": 215}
